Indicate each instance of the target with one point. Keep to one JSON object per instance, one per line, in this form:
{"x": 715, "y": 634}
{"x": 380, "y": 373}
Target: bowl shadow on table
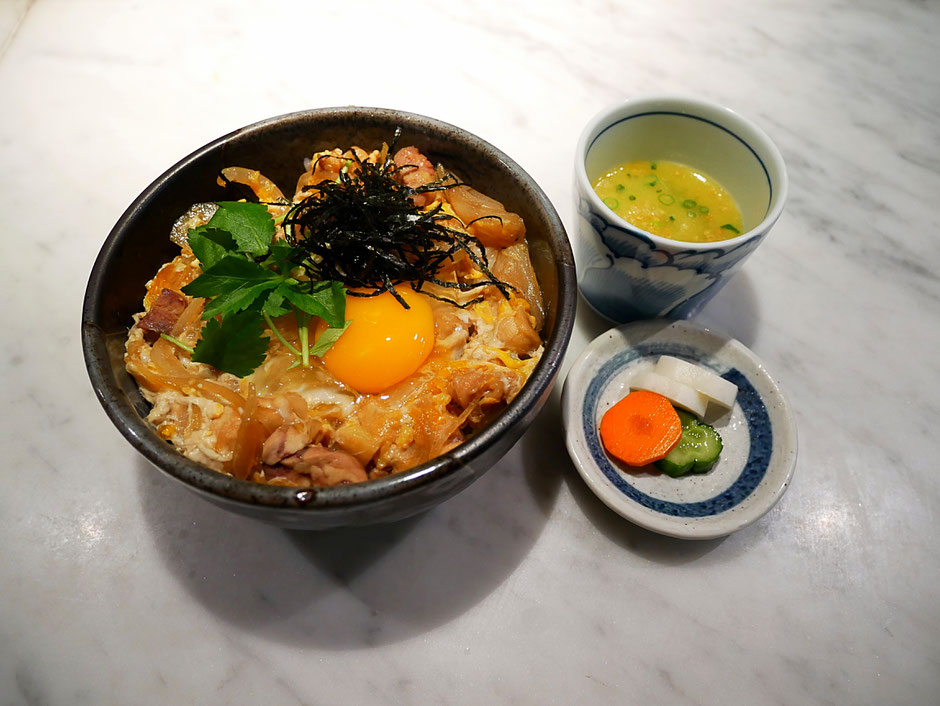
{"x": 366, "y": 586}
{"x": 637, "y": 540}
{"x": 654, "y": 547}
{"x": 732, "y": 311}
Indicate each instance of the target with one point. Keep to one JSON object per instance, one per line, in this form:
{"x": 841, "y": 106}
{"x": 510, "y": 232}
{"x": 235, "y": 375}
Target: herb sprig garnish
{"x": 248, "y": 280}
{"x": 364, "y": 229}
{"x": 361, "y": 230}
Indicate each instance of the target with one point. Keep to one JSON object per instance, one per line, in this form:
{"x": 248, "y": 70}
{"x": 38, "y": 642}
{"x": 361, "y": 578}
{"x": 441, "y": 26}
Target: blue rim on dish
{"x": 753, "y": 479}
{"x": 755, "y": 468}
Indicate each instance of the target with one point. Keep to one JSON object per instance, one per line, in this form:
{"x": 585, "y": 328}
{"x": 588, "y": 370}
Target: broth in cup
{"x": 671, "y": 200}
{"x": 627, "y": 271}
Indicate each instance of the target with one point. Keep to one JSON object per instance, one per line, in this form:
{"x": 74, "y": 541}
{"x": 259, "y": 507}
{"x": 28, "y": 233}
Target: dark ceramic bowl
{"x": 140, "y": 242}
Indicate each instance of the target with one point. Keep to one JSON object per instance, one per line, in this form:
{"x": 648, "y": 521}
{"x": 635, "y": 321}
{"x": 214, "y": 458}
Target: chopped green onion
{"x": 652, "y": 165}
{"x": 632, "y": 197}
{"x": 691, "y": 214}
{"x": 620, "y": 187}
{"x": 344, "y": 170}
{"x": 703, "y": 209}
{"x": 728, "y": 226}
{"x": 689, "y": 203}
{"x": 176, "y": 342}
{"x": 303, "y": 333}
{"x": 612, "y": 204}
{"x": 667, "y": 199}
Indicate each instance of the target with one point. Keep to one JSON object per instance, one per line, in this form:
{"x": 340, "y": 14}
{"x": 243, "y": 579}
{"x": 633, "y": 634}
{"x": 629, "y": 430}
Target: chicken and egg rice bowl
{"x": 413, "y": 366}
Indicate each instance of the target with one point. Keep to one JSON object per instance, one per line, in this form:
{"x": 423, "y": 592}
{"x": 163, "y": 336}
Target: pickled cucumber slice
{"x": 697, "y": 451}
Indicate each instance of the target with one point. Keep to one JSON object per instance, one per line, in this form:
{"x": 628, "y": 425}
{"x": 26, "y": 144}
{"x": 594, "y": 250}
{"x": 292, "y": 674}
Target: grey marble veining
{"x": 121, "y": 587}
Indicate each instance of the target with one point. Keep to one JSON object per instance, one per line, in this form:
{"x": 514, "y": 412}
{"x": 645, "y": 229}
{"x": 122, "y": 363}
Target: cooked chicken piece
{"x": 515, "y": 330}
{"x": 513, "y": 266}
{"x": 486, "y": 218}
{"x": 414, "y": 170}
{"x": 164, "y": 312}
{"x": 479, "y": 388}
{"x": 326, "y": 467}
{"x": 285, "y": 441}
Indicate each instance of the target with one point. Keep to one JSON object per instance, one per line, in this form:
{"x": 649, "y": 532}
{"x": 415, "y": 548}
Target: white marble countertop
{"x": 121, "y": 587}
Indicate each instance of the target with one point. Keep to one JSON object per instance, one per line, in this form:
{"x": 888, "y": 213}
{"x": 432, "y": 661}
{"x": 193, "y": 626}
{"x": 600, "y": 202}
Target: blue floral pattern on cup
{"x": 614, "y": 271}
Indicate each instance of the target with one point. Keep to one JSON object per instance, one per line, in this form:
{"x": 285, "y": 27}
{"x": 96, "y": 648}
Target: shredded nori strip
{"x": 364, "y": 231}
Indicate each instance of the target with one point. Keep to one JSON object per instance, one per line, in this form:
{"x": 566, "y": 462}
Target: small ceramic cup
{"x": 627, "y": 273}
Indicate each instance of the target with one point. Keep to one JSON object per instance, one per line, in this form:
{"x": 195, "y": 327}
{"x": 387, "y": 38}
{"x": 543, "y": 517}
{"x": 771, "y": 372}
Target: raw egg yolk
{"x": 384, "y": 344}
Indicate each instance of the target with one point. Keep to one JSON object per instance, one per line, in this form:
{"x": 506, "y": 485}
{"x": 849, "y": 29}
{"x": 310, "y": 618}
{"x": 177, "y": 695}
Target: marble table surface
{"x": 121, "y": 587}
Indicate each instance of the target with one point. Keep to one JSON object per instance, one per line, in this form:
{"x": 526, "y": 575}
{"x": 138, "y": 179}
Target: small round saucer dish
{"x": 758, "y": 433}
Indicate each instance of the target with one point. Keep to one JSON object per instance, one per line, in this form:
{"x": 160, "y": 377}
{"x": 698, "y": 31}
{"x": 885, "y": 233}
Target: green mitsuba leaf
{"x": 303, "y": 318}
{"x": 337, "y": 294}
{"x": 232, "y": 283}
{"x": 273, "y": 304}
{"x": 249, "y": 223}
{"x": 237, "y": 300}
{"x": 328, "y": 338}
{"x": 210, "y": 245}
{"x": 246, "y": 277}
{"x": 227, "y": 275}
{"x": 281, "y": 255}
{"x": 328, "y": 302}
{"x": 236, "y": 345}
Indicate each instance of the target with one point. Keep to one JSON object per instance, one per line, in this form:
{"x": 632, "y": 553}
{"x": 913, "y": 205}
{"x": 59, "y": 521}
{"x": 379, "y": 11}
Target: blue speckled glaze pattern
{"x": 752, "y": 406}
